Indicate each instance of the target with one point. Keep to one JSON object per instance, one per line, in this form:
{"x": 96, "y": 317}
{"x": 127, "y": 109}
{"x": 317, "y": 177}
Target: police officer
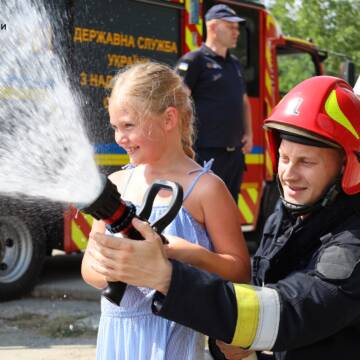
{"x": 217, "y": 85}
{"x": 305, "y": 299}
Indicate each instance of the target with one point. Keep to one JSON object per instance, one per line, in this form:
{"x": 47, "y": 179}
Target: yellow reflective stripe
{"x": 189, "y": 39}
{"x": 247, "y": 185}
{"x": 111, "y": 159}
{"x": 77, "y": 236}
{"x": 297, "y": 40}
{"x": 199, "y": 26}
{"x": 247, "y": 315}
{"x": 269, "y": 21}
{"x": 245, "y": 210}
{"x": 268, "y": 106}
{"x": 253, "y": 193}
{"x": 268, "y": 55}
{"x": 192, "y": 38}
{"x": 333, "y": 110}
{"x": 252, "y": 159}
{"x": 89, "y": 219}
{"x": 268, "y": 82}
{"x": 268, "y": 164}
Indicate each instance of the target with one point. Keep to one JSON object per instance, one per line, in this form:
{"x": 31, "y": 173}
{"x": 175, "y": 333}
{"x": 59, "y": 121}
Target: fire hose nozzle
{"x": 117, "y": 215}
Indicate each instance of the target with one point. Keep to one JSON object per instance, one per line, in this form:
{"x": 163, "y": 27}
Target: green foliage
{"x": 292, "y": 70}
{"x": 332, "y": 25}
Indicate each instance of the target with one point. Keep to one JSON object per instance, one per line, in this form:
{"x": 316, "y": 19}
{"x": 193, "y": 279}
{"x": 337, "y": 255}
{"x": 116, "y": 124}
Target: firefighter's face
{"x": 140, "y": 138}
{"x": 305, "y": 172}
{"x": 227, "y": 33}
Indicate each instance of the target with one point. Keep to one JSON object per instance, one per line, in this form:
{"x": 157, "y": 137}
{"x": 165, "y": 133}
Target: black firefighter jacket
{"x": 305, "y": 302}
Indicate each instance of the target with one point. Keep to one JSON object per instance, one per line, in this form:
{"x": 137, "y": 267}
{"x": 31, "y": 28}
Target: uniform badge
{"x": 213, "y": 65}
{"x": 216, "y": 77}
{"x": 183, "y": 66}
{"x": 293, "y": 107}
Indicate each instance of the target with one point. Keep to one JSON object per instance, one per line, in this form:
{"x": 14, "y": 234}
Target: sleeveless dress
{"x": 130, "y": 331}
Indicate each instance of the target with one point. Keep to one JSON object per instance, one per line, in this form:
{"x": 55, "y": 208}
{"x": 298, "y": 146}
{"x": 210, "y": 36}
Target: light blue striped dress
{"x": 130, "y": 331}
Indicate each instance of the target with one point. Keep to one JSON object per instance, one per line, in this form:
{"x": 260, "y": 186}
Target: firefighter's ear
{"x": 171, "y": 115}
{"x": 211, "y": 26}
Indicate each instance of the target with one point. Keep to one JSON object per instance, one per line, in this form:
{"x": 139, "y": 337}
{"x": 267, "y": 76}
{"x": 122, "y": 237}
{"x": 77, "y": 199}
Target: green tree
{"x": 332, "y": 25}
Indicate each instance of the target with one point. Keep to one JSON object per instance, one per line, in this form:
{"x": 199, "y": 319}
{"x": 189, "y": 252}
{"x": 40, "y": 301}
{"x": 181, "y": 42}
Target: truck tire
{"x": 22, "y": 253}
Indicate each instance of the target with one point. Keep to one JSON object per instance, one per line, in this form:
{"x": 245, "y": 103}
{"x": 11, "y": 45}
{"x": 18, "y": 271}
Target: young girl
{"x": 151, "y": 114}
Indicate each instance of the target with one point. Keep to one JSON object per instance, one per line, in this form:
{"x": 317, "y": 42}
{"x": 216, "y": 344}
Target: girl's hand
{"x": 180, "y": 250}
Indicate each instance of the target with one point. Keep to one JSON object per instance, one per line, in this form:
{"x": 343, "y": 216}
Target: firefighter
{"x": 305, "y": 299}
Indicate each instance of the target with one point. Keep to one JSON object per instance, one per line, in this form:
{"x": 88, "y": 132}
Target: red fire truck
{"x": 104, "y": 36}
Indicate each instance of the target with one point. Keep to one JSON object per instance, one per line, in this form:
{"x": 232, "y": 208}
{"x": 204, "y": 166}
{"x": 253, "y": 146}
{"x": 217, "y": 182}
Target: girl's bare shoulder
{"x": 208, "y": 185}
{"x": 211, "y": 181}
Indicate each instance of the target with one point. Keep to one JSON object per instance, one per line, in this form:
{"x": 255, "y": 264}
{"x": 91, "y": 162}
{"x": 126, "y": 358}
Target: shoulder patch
{"x": 183, "y": 66}
{"x": 337, "y": 263}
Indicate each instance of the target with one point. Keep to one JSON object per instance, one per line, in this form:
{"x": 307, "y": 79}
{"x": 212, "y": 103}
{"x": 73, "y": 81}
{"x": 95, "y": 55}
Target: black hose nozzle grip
{"x": 117, "y": 214}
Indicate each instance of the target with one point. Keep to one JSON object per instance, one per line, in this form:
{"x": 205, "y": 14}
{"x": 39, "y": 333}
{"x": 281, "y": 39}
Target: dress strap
{"x": 130, "y": 167}
{"x": 205, "y": 169}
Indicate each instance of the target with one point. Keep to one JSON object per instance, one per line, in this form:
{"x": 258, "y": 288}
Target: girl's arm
{"x": 89, "y": 275}
{"x": 221, "y": 218}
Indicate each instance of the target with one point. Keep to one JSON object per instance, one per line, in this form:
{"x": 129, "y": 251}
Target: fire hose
{"x": 117, "y": 215}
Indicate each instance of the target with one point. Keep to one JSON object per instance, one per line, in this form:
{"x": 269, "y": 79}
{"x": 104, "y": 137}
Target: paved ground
{"x": 35, "y": 329}
{"x": 57, "y": 321}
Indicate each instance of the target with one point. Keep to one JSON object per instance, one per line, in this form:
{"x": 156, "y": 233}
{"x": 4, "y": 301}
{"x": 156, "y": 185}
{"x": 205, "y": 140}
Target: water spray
{"x": 45, "y": 152}
{"x": 117, "y": 215}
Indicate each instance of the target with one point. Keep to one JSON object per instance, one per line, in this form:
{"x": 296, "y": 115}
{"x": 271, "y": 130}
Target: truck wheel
{"x": 22, "y": 253}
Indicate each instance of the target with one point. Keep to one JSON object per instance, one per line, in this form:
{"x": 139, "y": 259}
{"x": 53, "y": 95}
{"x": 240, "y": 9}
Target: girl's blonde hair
{"x": 150, "y": 88}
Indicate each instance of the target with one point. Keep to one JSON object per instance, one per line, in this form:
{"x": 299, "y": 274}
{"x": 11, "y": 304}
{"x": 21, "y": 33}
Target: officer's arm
{"x": 248, "y": 133}
{"x": 299, "y": 310}
{"x": 242, "y": 315}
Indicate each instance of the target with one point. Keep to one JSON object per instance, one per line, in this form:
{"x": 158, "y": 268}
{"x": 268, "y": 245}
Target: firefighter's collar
{"x": 208, "y": 51}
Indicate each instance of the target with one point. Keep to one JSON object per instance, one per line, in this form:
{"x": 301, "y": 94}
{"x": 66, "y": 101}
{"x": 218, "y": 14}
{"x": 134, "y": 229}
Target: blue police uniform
{"x": 305, "y": 301}
{"x": 217, "y": 88}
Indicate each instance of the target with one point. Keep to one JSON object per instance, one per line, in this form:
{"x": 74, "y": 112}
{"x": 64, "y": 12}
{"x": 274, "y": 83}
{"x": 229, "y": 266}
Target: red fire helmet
{"x": 323, "y": 109}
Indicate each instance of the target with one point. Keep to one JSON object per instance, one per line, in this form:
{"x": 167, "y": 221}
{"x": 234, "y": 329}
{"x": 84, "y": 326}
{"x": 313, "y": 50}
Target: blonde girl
{"x": 152, "y": 116}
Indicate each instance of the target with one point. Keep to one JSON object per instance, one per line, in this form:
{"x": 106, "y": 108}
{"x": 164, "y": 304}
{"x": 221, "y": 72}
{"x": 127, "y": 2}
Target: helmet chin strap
{"x": 301, "y": 209}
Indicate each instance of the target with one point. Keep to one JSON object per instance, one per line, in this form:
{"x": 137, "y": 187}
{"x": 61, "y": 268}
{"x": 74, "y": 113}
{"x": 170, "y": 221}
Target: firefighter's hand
{"x": 138, "y": 263}
{"x": 233, "y": 352}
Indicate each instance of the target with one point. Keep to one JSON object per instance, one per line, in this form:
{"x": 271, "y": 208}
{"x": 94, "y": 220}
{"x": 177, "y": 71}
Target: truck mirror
{"x": 347, "y": 71}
